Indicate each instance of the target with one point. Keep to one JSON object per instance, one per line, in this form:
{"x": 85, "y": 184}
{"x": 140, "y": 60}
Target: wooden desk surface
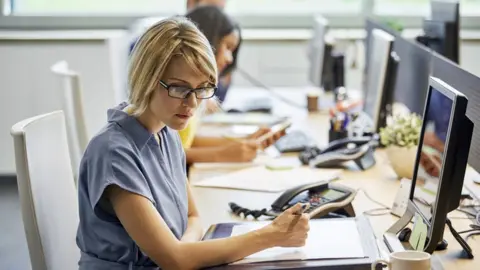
{"x": 380, "y": 182}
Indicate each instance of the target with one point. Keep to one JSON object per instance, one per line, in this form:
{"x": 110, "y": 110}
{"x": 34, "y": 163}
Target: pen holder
{"x": 334, "y": 135}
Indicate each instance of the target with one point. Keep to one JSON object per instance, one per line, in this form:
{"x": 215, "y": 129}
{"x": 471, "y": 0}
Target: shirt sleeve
{"x": 118, "y": 166}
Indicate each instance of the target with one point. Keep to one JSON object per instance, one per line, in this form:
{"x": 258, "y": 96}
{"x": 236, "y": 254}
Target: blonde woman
{"x": 136, "y": 207}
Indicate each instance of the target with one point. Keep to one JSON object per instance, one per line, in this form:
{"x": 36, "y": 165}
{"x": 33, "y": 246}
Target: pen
{"x": 345, "y": 123}
{"x": 301, "y": 210}
{"x": 298, "y": 214}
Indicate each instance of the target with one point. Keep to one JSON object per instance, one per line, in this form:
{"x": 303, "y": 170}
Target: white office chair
{"x": 74, "y": 112}
{"x": 47, "y": 191}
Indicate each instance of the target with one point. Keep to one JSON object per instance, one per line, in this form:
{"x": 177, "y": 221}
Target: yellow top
{"x": 187, "y": 135}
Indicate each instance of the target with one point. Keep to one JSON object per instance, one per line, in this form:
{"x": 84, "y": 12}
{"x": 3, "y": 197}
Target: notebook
{"x": 327, "y": 239}
{"x": 263, "y": 178}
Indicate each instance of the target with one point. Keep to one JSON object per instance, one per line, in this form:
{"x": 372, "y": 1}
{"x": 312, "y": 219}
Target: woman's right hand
{"x": 238, "y": 151}
{"x": 290, "y": 229}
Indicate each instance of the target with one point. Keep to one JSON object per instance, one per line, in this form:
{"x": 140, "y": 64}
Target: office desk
{"x": 380, "y": 182}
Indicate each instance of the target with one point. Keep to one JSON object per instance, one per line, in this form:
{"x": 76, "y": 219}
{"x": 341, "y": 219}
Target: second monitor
{"x": 381, "y": 76}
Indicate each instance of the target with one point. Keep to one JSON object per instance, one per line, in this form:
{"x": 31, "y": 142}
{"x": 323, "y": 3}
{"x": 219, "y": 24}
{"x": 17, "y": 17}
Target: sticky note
{"x": 419, "y": 233}
{"x": 286, "y": 163}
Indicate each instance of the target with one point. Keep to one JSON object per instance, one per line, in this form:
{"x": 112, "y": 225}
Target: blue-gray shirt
{"x": 126, "y": 154}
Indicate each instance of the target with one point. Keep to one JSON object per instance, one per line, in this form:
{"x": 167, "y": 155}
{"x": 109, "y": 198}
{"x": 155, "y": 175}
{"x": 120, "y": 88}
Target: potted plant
{"x": 400, "y": 139}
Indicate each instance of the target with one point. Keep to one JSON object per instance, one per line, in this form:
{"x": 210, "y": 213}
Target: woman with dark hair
{"x": 224, "y": 37}
{"x": 191, "y": 4}
{"x": 226, "y": 75}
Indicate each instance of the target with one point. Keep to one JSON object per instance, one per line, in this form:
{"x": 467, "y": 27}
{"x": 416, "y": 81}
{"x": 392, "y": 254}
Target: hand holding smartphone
{"x": 275, "y": 133}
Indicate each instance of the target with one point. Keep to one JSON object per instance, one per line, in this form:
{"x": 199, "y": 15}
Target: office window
{"x": 294, "y": 6}
{"x": 470, "y": 7}
{"x": 420, "y": 7}
{"x": 165, "y": 7}
{"x": 97, "y": 7}
{"x": 402, "y": 7}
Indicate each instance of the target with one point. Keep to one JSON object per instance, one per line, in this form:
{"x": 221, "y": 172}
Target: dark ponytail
{"x": 213, "y": 22}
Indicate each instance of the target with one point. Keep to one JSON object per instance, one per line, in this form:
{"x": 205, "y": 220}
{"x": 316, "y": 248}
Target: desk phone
{"x": 357, "y": 149}
{"x": 325, "y": 199}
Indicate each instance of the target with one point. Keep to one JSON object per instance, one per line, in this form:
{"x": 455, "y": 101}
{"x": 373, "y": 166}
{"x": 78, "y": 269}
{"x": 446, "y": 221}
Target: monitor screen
{"x": 377, "y": 72}
{"x": 436, "y": 124}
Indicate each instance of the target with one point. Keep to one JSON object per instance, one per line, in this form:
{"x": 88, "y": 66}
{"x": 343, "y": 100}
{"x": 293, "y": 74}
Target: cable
{"x": 467, "y": 231}
{"x": 463, "y": 242}
{"x": 373, "y": 212}
{"x": 372, "y": 199}
{"x": 258, "y": 83}
{"x": 465, "y": 212}
{"x": 472, "y": 234}
{"x": 239, "y": 211}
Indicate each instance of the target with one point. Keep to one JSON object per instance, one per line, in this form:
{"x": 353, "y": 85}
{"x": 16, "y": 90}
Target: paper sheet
{"x": 261, "y": 159}
{"x": 260, "y": 178}
{"x": 242, "y": 119}
{"x": 327, "y": 239}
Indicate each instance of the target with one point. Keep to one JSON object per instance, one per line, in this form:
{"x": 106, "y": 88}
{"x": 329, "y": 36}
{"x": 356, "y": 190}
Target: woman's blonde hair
{"x": 176, "y": 36}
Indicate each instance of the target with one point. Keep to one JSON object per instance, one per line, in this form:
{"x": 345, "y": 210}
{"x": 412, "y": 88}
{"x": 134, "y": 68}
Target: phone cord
{"x": 239, "y": 211}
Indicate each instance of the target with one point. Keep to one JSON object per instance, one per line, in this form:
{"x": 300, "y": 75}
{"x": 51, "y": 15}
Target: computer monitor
{"x": 370, "y": 24}
{"x": 413, "y": 74}
{"x": 317, "y": 50}
{"x": 440, "y": 163}
{"x": 338, "y": 70}
{"x": 442, "y": 29}
{"x": 327, "y": 81}
{"x": 380, "y": 78}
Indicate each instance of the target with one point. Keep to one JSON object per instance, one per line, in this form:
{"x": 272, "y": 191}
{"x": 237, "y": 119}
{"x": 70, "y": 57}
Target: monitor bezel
{"x": 440, "y": 207}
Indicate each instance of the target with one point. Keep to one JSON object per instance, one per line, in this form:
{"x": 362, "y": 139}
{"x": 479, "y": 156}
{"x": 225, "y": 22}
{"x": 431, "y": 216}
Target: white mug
{"x": 406, "y": 260}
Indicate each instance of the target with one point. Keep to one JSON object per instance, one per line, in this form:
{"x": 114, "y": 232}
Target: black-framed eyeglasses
{"x": 182, "y": 92}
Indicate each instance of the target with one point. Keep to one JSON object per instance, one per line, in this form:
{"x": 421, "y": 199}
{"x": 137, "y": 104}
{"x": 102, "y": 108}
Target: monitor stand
{"x": 394, "y": 244}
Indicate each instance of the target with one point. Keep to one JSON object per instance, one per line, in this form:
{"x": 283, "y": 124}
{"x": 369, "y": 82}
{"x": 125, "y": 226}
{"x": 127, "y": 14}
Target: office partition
{"x": 459, "y": 78}
{"x": 413, "y": 74}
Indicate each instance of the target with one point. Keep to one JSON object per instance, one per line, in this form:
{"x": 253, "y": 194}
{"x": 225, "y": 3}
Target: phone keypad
{"x": 315, "y": 201}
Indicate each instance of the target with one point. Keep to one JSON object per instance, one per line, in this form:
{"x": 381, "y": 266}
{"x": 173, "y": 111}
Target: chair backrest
{"x": 74, "y": 112}
{"x": 47, "y": 191}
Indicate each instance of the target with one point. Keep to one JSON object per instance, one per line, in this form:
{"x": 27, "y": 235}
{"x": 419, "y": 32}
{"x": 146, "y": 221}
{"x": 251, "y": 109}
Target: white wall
{"x": 28, "y": 88}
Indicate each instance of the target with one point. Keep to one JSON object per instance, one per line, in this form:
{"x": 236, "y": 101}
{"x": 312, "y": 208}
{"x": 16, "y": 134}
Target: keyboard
{"x": 294, "y": 141}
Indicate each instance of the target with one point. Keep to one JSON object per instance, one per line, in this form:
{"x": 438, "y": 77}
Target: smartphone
{"x": 278, "y": 128}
